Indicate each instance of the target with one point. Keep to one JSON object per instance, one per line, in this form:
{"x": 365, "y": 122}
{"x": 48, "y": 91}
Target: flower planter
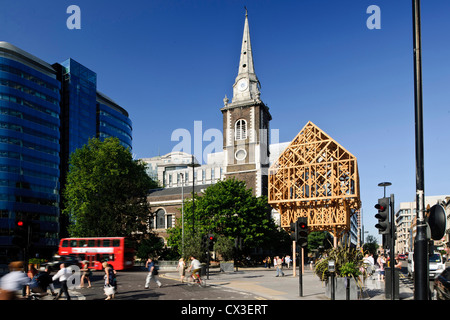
{"x": 340, "y": 289}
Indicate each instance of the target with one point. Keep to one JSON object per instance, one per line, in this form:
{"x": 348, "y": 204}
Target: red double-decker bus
{"x": 116, "y": 250}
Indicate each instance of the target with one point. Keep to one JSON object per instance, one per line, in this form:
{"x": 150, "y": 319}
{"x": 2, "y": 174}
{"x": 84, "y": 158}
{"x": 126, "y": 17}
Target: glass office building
{"x": 113, "y": 121}
{"x": 78, "y": 104}
{"x": 29, "y": 145}
{"x": 46, "y": 112}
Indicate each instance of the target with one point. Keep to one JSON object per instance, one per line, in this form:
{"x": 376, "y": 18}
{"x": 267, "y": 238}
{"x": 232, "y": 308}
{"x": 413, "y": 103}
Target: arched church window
{"x": 160, "y": 219}
{"x": 240, "y": 130}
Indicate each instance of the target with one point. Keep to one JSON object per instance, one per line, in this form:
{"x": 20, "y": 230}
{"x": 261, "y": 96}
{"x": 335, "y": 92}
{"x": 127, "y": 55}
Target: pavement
{"x": 264, "y": 283}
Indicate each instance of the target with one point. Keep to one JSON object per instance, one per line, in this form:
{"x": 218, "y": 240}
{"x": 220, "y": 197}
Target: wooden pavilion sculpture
{"x": 315, "y": 177}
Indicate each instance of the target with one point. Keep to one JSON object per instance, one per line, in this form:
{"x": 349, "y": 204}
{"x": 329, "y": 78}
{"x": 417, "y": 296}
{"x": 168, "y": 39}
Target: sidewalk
{"x": 262, "y": 281}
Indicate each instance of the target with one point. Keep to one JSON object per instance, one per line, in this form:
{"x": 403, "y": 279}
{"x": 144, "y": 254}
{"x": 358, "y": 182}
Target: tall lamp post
{"x": 384, "y": 185}
{"x": 193, "y": 165}
{"x": 421, "y": 284}
{"x": 182, "y": 213}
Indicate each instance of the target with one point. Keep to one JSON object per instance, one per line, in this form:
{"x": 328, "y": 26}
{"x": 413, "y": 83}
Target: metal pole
{"x": 207, "y": 266}
{"x": 193, "y": 196}
{"x": 294, "y": 260}
{"x": 420, "y": 244}
{"x": 392, "y": 248}
{"x": 182, "y": 214}
{"x": 300, "y": 274}
{"x": 333, "y": 296}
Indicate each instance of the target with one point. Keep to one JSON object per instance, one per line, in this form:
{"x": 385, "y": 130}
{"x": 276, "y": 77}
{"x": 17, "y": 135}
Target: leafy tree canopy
{"x": 106, "y": 191}
{"x": 227, "y": 209}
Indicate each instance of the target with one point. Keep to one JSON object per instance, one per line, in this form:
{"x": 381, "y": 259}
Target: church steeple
{"x": 246, "y": 125}
{"x": 246, "y": 85}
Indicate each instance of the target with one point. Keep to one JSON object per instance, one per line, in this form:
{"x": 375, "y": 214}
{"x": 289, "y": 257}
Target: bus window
{"x": 106, "y": 243}
{"x": 116, "y": 243}
{"x": 73, "y": 243}
{"x": 92, "y": 243}
{"x": 65, "y": 243}
{"x": 107, "y": 257}
{"x": 82, "y": 243}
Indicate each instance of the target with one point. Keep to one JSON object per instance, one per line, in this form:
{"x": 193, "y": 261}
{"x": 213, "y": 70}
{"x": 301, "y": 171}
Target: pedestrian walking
{"x": 279, "y": 266}
{"x": 32, "y": 273}
{"x": 13, "y": 282}
{"x": 288, "y": 261}
{"x": 181, "y": 267}
{"x": 45, "y": 281}
{"x": 86, "y": 274}
{"x": 152, "y": 273}
{"x": 110, "y": 276}
{"x": 62, "y": 275}
{"x": 381, "y": 262}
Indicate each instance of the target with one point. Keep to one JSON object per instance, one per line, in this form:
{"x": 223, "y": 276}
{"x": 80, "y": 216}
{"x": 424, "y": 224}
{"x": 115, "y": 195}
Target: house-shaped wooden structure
{"x": 315, "y": 177}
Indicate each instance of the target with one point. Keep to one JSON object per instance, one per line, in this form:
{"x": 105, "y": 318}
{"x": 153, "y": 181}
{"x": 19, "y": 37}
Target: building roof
{"x": 176, "y": 190}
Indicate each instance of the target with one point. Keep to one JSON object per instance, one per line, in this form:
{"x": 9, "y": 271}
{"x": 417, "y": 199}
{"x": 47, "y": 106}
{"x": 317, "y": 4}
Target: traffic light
{"x": 20, "y": 237}
{"x": 211, "y": 240}
{"x": 293, "y": 233}
{"x": 383, "y": 216}
{"x": 302, "y": 231}
{"x": 204, "y": 242}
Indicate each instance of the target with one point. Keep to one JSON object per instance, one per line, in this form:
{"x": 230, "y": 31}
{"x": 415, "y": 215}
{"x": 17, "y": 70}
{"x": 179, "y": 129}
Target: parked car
{"x": 55, "y": 263}
{"x": 435, "y": 265}
{"x": 441, "y": 286}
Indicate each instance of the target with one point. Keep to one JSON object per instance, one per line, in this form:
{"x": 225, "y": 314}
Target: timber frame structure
{"x": 315, "y": 177}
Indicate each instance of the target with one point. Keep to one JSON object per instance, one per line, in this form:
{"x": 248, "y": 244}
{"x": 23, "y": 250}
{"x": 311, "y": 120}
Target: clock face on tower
{"x": 242, "y": 84}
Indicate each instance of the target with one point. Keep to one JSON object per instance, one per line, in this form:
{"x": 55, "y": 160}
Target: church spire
{"x": 246, "y": 84}
{"x": 246, "y": 60}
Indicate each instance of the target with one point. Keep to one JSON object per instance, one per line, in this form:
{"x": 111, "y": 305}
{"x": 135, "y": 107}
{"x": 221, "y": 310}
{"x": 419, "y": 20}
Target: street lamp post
{"x": 384, "y": 185}
{"x": 182, "y": 213}
{"x": 421, "y": 286}
{"x": 193, "y": 165}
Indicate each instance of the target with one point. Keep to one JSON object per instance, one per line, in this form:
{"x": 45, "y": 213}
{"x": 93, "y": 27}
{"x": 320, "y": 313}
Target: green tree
{"x": 225, "y": 247}
{"x": 371, "y": 244}
{"x": 150, "y": 247}
{"x": 106, "y": 191}
{"x": 319, "y": 240}
{"x": 227, "y": 209}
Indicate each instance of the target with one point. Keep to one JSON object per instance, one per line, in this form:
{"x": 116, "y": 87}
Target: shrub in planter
{"x": 348, "y": 264}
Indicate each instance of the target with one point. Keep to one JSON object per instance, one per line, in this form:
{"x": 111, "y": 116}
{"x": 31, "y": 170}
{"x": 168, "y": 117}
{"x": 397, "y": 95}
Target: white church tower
{"x": 246, "y": 125}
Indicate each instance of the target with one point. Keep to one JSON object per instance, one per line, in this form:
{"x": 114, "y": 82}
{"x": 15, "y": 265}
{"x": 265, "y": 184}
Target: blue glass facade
{"x": 29, "y": 144}
{"x": 46, "y": 112}
{"x": 79, "y": 103}
{"x": 113, "y": 121}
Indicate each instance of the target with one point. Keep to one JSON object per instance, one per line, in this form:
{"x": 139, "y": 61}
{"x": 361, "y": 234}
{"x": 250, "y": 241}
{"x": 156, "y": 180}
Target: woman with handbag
{"x": 109, "y": 281}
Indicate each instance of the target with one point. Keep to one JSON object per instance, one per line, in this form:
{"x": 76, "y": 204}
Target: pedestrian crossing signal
{"x": 383, "y": 216}
{"x": 211, "y": 242}
{"x": 302, "y": 231}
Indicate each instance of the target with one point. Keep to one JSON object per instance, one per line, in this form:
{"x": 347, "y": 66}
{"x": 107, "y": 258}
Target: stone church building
{"x": 246, "y": 153}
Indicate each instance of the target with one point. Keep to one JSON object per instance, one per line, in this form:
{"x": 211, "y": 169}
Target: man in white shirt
{"x": 63, "y": 274}
{"x": 195, "y": 266}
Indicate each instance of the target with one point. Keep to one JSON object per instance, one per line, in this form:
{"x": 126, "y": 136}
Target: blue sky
{"x": 170, "y": 63}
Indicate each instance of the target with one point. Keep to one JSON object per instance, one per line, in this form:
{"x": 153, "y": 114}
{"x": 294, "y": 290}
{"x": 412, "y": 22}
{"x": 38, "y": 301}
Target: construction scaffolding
{"x": 315, "y": 177}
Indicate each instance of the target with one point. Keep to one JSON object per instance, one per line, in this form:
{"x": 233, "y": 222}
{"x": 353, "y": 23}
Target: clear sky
{"x": 170, "y": 63}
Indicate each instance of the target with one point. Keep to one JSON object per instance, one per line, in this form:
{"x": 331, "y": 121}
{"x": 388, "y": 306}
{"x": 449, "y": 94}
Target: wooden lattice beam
{"x": 315, "y": 177}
